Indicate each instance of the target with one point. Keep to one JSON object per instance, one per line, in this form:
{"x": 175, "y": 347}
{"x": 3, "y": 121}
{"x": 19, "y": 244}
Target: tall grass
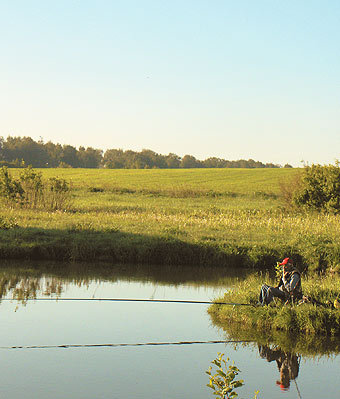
{"x": 230, "y": 217}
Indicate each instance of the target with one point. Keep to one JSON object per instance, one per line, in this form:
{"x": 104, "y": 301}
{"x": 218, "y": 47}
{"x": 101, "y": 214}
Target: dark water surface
{"x": 143, "y": 371}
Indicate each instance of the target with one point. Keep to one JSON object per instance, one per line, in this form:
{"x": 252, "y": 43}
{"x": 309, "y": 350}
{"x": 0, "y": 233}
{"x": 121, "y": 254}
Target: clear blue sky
{"x": 228, "y": 78}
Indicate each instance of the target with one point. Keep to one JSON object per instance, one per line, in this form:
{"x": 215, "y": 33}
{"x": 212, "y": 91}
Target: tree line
{"x": 23, "y": 151}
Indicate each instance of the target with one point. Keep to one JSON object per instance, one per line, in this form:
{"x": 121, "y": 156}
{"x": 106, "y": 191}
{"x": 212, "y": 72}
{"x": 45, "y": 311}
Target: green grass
{"x": 241, "y": 181}
{"x": 298, "y": 319}
{"x": 221, "y": 217}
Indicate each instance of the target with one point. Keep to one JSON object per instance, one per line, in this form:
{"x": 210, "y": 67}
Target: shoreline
{"x": 117, "y": 246}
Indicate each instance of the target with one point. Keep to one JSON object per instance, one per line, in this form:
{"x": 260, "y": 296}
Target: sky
{"x": 235, "y": 79}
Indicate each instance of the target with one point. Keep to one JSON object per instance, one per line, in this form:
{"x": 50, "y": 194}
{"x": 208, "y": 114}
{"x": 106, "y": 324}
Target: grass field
{"x": 196, "y": 216}
{"x": 240, "y": 181}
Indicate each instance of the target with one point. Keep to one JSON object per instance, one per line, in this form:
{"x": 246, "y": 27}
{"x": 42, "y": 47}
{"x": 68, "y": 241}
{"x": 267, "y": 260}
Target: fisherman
{"x": 289, "y": 287}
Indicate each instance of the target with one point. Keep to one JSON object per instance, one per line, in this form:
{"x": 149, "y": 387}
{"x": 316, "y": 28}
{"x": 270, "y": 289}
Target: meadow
{"x": 219, "y": 217}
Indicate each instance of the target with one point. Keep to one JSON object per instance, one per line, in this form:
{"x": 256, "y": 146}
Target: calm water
{"x": 144, "y": 371}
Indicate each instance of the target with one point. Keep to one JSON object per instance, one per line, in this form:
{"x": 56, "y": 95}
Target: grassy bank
{"x": 196, "y": 217}
{"x": 298, "y": 319}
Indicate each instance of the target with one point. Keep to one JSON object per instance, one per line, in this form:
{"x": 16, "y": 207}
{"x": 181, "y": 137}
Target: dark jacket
{"x": 290, "y": 283}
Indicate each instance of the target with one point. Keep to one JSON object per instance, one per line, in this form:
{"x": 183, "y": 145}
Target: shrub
{"x": 319, "y": 189}
{"x": 10, "y": 189}
{"x": 30, "y": 191}
{"x": 32, "y": 188}
{"x": 316, "y": 188}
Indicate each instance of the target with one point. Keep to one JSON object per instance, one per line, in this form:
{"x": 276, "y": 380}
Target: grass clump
{"x": 306, "y": 318}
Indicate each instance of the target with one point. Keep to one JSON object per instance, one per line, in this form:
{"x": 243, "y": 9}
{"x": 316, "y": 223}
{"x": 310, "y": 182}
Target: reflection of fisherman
{"x": 289, "y": 286}
{"x": 287, "y": 363}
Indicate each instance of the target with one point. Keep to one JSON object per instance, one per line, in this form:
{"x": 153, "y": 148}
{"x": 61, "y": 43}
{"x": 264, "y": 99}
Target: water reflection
{"x": 287, "y": 363}
{"x": 30, "y": 280}
{"x": 152, "y": 342}
{"x": 310, "y": 346}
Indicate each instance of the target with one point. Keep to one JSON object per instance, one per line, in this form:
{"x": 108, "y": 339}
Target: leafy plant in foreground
{"x": 223, "y": 381}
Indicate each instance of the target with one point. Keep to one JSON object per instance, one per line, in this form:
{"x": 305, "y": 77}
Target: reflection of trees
{"x": 25, "y": 287}
{"x": 28, "y": 280}
{"x": 287, "y": 363}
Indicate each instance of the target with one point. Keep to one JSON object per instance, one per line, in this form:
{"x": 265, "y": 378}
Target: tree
{"x": 1, "y": 148}
{"x": 189, "y": 161}
{"x": 89, "y": 158}
{"x": 214, "y": 162}
{"x": 54, "y": 152}
{"x": 69, "y": 156}
{"x": 25, "y": 148}
{"x": 172, "y": 161}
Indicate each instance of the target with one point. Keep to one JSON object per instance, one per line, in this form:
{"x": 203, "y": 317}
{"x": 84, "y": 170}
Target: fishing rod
{"x": 111, "y": 345}
{"x": 297, "y": 388}
{"x": 128, "y": 300}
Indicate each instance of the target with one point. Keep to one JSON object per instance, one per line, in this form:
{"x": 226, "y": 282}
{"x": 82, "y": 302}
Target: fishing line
{"x": 66, "y": 346}
{"x": 127, "y": 300}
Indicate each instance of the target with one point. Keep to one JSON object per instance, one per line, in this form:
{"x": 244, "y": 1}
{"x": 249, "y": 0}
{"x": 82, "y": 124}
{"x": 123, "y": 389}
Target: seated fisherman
{"x": 289, "y": 286}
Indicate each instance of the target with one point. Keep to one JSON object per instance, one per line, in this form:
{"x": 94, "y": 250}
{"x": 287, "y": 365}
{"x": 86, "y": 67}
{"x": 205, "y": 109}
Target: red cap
{"x": 285, "y": 261}
{"x": 282, "y": 386}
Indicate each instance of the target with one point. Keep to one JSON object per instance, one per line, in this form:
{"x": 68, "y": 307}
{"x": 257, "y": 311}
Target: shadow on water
{"x": 28, "y": 280}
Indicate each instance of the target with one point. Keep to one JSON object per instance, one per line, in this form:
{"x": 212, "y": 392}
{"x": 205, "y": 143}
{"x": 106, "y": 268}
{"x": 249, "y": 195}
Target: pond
{"x": 102, "y": 349}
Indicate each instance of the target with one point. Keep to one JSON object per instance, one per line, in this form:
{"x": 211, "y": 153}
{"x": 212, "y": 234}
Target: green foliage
{"x": 13, "y": 150}
{"x": 10, "y": 189}
{"x": 30, "y": 191}
{"x": 222, "y": 381}
{"x": 320, "y": 189}
{"x": 32, "y": 187}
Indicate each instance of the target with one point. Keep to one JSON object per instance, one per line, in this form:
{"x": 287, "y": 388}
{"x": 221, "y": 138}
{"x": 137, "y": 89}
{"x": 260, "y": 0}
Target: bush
{"x": 10, "y": 189}
{"x": 30, "y": 191}
{"x": 317, "y": 188}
